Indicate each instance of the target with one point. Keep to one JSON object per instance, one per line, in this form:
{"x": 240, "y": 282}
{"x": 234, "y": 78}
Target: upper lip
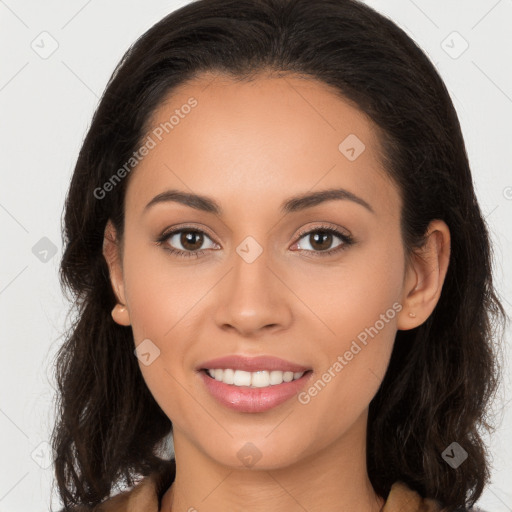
{"x": 252, "y": 364}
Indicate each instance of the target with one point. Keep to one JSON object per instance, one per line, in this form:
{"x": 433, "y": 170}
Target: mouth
{"x": 264, "y": 391}
{"x": 250, "y": 363}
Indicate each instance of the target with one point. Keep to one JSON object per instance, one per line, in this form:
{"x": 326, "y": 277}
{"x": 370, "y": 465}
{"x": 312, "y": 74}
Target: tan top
{"x": 146, "y": 496}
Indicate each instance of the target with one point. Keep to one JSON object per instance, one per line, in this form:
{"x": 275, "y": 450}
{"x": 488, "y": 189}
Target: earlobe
{"x": 112, "y": 255}
{"x": 425, "y": 277}
{"x": 120, "y": 315}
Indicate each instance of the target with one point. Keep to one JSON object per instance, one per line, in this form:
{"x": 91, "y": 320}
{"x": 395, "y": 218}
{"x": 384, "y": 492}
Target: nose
{"x": 253, "y": 299}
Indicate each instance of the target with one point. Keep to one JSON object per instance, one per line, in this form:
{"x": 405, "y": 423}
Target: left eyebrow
{"x": 309, "y": 200}
{"x": 292, "y": 205}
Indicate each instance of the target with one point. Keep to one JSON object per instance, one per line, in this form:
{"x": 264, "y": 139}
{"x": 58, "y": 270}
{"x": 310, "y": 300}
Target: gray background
{"x": 47, "y": 101}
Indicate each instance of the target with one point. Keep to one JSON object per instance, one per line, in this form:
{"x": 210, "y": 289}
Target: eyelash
{"x": 347, "y": 241}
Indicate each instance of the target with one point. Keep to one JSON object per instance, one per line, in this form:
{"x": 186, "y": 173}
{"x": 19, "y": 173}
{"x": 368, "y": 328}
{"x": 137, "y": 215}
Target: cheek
{"x": 160, "y": 310}
{"x": 354, "y": 362}
{"x": 346, "y": 298}
{"x": 358, "y": 307}
{"x": 161, "y": 294}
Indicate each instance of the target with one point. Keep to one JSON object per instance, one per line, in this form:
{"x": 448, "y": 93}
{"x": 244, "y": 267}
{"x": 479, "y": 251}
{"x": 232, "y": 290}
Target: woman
{"x": 277, "y": 256}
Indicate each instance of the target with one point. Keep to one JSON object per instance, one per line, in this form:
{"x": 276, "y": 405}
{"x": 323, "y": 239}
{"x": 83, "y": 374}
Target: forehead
{"x": 256, "y": 140}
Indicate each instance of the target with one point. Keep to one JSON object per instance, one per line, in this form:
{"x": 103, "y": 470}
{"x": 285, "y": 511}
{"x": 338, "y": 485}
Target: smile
{"x": 253, "y": 391}
{"x": 259, "y": 379}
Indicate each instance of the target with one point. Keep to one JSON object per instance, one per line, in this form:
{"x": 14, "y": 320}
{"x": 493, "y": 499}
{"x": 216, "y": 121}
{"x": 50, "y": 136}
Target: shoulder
{"x": 146, "y": 495}
{"x": 402, "y": 497}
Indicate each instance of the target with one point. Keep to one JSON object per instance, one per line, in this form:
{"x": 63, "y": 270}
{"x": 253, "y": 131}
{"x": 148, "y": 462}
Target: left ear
{"x": 425, "y": 276}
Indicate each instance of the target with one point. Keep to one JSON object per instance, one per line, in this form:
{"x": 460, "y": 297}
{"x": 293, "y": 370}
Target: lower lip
{"x": 247, "y": 399}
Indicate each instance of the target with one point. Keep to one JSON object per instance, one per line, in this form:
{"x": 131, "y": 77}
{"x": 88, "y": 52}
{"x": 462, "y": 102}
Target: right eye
{"x": 189, "y": 239}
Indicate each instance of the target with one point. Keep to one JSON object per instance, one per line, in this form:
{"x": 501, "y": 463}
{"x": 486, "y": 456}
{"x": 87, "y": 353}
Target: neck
{"x": 330, "y": 480}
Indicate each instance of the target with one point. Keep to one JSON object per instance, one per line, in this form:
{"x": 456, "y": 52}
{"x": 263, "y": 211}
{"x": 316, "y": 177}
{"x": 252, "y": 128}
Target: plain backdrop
{"x": 56, "y": 58}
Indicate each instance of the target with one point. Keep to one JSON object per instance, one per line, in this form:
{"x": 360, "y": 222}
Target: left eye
{"x": 322, "y": 240}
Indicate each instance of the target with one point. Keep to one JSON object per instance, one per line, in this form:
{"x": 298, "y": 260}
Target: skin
{"x": 250, "y": 146}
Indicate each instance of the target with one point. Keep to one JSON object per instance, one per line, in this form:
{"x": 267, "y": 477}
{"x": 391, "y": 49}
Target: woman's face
{"x": 259, "y": 286}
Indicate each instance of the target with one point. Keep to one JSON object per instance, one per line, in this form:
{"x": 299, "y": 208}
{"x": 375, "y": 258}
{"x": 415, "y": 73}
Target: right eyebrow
{"x": 196, "y": 201}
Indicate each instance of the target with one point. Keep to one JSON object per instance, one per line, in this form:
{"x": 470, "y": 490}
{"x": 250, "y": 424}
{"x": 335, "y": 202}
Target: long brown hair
{"x": 441, "y": 375}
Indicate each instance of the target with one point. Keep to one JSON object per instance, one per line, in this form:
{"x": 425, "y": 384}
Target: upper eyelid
{"x": 326, "y": 226}
{"x": 178, "y": 229}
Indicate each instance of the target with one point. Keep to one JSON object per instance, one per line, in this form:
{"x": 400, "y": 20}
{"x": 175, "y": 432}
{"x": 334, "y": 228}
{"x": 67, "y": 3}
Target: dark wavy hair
{"x": 442, "y": 374}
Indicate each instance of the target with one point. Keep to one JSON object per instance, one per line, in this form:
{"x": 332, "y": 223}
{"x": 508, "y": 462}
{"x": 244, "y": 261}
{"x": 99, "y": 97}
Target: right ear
{"x": 112, "y": 255}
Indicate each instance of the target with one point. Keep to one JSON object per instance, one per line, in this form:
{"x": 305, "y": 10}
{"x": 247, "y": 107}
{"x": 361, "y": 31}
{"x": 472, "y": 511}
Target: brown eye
{"x": 191, "y": 240}
{"x": 321, "y": 240}
{"x": 186, "y": 242}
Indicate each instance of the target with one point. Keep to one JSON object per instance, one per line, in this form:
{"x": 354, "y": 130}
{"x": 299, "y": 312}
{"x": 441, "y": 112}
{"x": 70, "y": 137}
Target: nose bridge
{"x": 252, "y": 297}
{"x": 251, "y": 273}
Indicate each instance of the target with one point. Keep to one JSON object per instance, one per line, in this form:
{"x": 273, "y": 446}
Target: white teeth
{"x": 259, "y": 379}
{"x": 242, "y": 378}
